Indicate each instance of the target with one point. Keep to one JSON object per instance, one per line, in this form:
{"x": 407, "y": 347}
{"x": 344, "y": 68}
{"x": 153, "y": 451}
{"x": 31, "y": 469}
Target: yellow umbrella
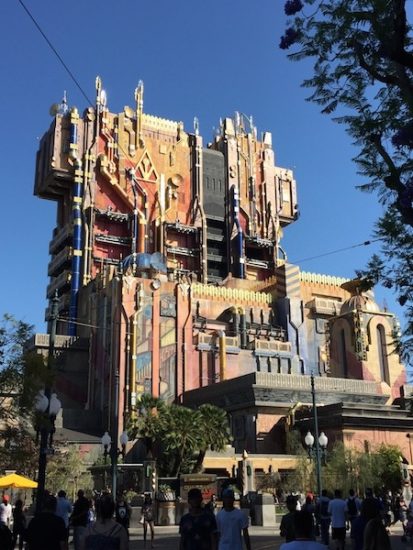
{"x": 17, "y": 482}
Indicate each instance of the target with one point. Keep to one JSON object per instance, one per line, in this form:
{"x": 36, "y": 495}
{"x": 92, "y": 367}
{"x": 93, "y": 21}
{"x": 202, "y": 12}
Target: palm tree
{"x": 148, "y": 425}
{"x": 215, "y": 432}
{"x": 183, "y": 435}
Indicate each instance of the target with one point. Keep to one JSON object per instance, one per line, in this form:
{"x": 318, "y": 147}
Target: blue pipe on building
{"x": 77, "y": 229}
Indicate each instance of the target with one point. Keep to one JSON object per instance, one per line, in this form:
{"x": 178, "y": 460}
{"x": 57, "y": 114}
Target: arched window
{"x": 343, "y": 353}
{"x": 382, "y": 351}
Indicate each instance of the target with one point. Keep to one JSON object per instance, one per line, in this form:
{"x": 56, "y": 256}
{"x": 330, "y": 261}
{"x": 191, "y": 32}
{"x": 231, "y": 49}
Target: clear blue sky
{"x": 196, "y": 58}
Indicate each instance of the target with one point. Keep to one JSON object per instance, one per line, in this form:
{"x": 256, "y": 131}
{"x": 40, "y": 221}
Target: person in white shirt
{"x": 304, "y": 536}
{"x": 337, "y": 508}
{"x": 5, "y": 511}
{"x": 232, "y": 525}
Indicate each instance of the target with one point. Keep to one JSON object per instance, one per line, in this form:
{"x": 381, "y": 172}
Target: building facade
{"x": 168, "y": 263}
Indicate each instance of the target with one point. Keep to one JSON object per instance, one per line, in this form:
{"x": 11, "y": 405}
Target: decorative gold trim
{"x": 318, "y": 278}
{"x": 233, "y": 295}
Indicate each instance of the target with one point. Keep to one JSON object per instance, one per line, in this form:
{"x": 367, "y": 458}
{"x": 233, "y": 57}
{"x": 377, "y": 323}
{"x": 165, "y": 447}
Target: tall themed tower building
{"x": 168, "y": 264}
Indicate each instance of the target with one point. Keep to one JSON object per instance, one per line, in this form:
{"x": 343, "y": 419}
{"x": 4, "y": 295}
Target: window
{"x": 382, "y": 351}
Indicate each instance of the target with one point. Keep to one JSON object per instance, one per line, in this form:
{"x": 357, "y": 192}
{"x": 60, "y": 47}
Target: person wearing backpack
{"x": 353, "y": 509}
{"x": 105, "y": 533}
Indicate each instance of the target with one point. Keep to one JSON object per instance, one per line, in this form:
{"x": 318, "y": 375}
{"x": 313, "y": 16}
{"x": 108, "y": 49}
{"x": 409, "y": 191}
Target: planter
{"x": 166, "y": 513}
{"x": 165, "y": 496}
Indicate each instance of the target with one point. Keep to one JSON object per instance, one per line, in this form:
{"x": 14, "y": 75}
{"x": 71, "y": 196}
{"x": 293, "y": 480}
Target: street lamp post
{"x": 114, "y": 453}
{"x": 319, "y": 451}
{"x": 48, "y": 406}
{"x": 321, "y": 441}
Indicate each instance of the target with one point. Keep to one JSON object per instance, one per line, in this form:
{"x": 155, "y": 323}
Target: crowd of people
{"x": 97, "y": 523}
{"x": 367, "y": 521}
{"x": 101, "y": 523}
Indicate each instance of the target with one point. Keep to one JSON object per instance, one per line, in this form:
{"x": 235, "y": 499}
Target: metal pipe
{"x": 139, "y": 114}
{"x": 222, "y": 355}
{"x": 77, "y": 225}
{"x": 243, "y": 329}
{"x": 127, "y": 371}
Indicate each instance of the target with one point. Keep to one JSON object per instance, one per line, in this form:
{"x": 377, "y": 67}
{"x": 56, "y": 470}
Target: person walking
{"x": 46, "y": 529}
{"x": 148, "y": 515}
{"x": 19, "y": 524}
{"x": 6, "y": 538}
{"x": 5, "y": 511}
{"x": 323, "y": 517}
{"x": 79, "y": 517}
{"x": 337, "y": 508}
{"x": 309, "y": 507}
{"x": 197, "y": 528}
{"x": 232, "y": 525}
{"x": 211, "y": 506}
{"x": 375, "y": 536}
{"x": 353, "y": 509}
{"x": 303, "y": 528}
{"x": 287, "y": 529}
{"x": 105, "y": 533}
{"x": 63, "y": 509}
{"x": 123, "y": 513}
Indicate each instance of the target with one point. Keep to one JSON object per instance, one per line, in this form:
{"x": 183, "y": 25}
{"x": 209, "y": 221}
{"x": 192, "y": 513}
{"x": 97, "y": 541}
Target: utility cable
{"x": 365, "y": 243}
{"x": 59, "y": 57}
{"x": 64, "y": 64}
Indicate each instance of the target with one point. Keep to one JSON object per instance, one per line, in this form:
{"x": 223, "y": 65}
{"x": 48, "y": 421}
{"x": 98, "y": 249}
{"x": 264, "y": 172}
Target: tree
{"x": 148, "y": 425}
{"x": 215, "y": 431}
{"x": 363, "y": 72}
{"x": 22, "y": 374}
{"x": 68, "y": 470}
{"x": 178, "y": 437}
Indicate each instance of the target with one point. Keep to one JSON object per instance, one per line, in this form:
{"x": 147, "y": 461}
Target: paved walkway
{"x": 262, "y": 538}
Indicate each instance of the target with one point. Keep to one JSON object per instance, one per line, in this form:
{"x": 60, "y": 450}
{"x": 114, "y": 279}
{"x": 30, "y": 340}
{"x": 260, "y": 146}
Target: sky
{"x": 196, "y": 58}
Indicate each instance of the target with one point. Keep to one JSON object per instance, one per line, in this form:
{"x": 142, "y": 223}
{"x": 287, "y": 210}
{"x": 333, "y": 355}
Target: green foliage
{"x": 363, "y": 63}
{"x": 67, "y": 469}
{"x": 347, "y": 468}
{"x": 177, "y": 436}
{"x": 350, "y": 469}
{"x": 22, "y": 374}
{"x": 268, "y": 483}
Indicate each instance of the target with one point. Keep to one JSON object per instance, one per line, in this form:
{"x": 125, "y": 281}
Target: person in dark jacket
{"x": 19, "y": 524}
{"x": 46, "y": 530}
{"x": 79, "y": 518}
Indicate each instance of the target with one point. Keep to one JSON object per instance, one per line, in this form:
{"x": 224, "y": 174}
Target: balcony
{"x": 209, "y": 342}
{"x": 325, "y": 306}
{"x": 181, "y": 228}
{"x": 59, "y": 260}
{"x": 112, "y": 239}
{"x": 58, "y": 283}
{"x": 112, "y": 215}
{"x": 181, "y": 251}
{"x": 263, "y": 264}
{"x": 271, "y": 347}
{"x": 60, "y": 236}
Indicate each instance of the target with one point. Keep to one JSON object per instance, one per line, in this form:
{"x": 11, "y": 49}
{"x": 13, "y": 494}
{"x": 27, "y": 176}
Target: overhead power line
{"x": 365, "y": 243}
{"x": 59, "y": 57}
